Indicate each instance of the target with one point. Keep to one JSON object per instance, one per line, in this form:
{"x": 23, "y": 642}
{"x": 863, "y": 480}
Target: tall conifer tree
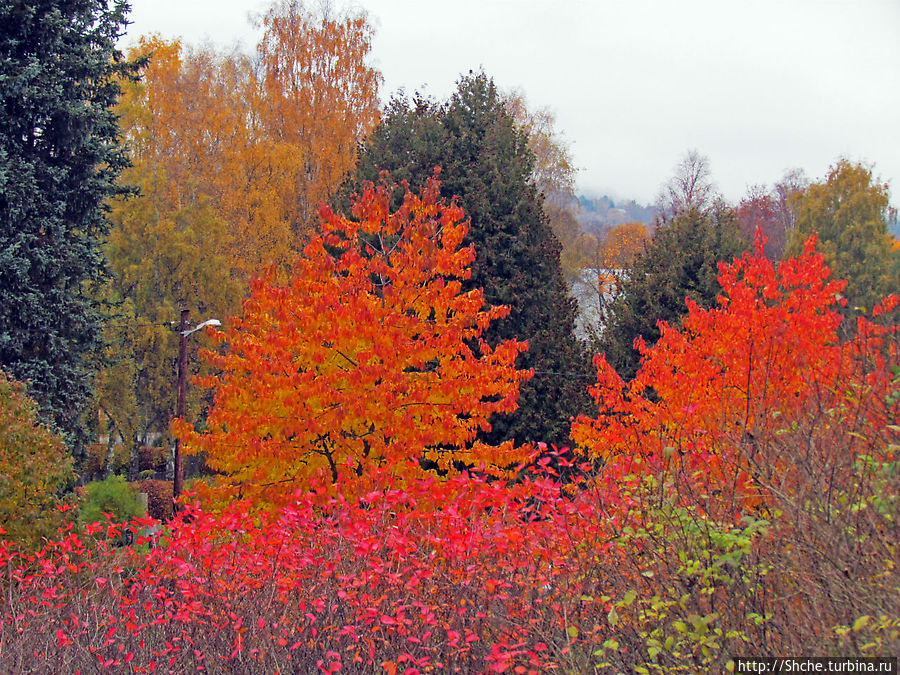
{"x": 59, "y": 158}
{"x": 486, "y": 163}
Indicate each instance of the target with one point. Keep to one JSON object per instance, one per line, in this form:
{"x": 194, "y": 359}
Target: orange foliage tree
{"x": 754, "y": 414}
{"x": 712, "y": 396}
{"x": 231, "y": 155}
{"x": 258, "y": 146}
{"x": 366, "y": 358}
{"x": 622, "y": 244}
{"x": 318, "y": 95}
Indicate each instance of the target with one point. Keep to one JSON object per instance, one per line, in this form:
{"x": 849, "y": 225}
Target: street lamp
{"x": 181, "y": 404}
{"x": 208, "y": 322}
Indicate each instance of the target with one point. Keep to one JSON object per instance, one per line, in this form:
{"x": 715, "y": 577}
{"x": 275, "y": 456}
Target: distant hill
{"x": 598, "y": 214}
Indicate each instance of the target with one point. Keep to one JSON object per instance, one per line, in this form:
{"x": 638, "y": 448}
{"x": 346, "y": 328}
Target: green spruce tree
{"x": 59, "y": 159}
{"x": 681, "y": 261}
{"x": 486, "y": 163}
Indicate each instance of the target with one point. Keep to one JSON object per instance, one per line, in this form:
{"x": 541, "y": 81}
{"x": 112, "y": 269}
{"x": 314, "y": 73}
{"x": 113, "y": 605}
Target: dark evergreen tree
{"x": 486, "y": 163}
{"x": 408, "y": 144}
{"x": 59, "y": 159}
{"x": 681, "y": 261}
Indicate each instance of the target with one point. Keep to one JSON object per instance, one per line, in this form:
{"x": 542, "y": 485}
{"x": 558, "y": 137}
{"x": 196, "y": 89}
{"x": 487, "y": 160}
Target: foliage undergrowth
{"x": 504, "y": 576}
{"x": 34, "y": 467}
{"x": 523, "y": 577}
{"x": 113, "y": 496}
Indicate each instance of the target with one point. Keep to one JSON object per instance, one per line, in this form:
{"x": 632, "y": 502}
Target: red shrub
{"x": 159, "y": 497}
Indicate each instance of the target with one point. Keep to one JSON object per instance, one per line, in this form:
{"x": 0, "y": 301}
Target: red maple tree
{"x": 369, "y": 356}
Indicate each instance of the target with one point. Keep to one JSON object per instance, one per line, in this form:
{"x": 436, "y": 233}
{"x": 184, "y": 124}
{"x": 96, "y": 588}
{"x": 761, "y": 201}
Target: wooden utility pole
{"x": 181, "y": 405}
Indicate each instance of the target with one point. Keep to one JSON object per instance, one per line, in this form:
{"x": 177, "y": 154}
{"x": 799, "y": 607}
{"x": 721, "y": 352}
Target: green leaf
{"x": 861, "y": 623}
{"x": 613, "y": 617}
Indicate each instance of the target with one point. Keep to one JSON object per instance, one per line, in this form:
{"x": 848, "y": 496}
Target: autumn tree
{"x": 231, "y": 155}
{"x": 164, "y": 263}
{"x": 724, "y": 368}
{"x": 622, "y": 244}
{"x": 35, "y": 467}
{"x": 757, "y": 213}
{"x": 690, "y": 188}
{"x": 771, "y": 213}
{"x": 192, "y": 136}
{"x": 60, "y": 155}
{"x": 486, "y": 162}
{"x": 754, "y": 408}
{"x": 319, "y": 97}
{"x": 849, "y": 212}
{"x": 261, "y": 143}
{"x": 364, "y": 359}
{"x": 116, "y": 409}
{"x": 553, "y": 174}
{"x": 791, "y": 183}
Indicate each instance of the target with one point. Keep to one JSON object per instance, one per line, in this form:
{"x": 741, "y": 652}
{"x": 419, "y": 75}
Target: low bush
{"x": 112, "y": 496}
{"x": 159, "y": 497}
{"x": 35, "y": 467}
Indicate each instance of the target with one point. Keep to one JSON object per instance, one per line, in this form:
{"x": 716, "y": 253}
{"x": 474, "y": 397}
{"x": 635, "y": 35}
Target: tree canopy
{"x": 849, "y": 213}
{"x": 363, "y": 360}
{"x": 60, "y": 155}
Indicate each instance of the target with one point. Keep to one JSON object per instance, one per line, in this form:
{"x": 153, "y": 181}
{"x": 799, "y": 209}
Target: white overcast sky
{"x": 760, "y": 87}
